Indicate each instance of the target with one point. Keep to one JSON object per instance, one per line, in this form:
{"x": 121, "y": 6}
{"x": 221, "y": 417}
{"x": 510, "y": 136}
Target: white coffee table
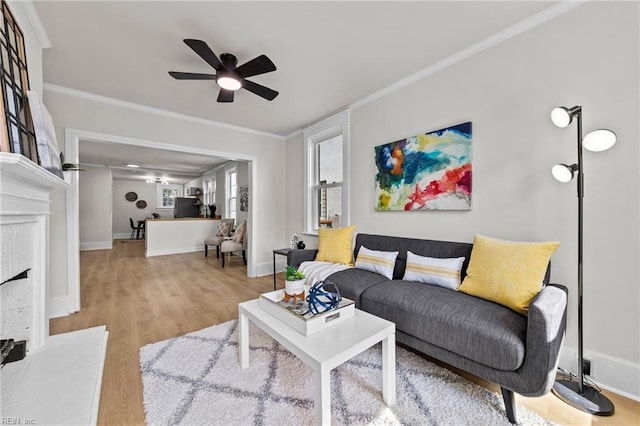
{"x": 327, "y": 349}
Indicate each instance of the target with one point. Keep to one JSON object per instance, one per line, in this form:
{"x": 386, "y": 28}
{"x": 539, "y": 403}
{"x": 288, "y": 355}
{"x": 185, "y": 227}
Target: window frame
{"x": 229, "y": 195}
{"x": 17, "y": 133}
{"x": 159, "y": 196}
{"x": 329, "y": 128}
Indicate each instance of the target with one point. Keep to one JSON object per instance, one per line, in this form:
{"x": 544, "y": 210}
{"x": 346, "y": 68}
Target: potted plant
{"x": 293, "y": 284}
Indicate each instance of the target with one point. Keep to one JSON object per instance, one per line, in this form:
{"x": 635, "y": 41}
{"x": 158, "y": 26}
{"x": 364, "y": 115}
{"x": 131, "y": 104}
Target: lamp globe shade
{"x": 561, "y": 117}
{"x": 562, "y": 173}
{"x": 599, "y": 140}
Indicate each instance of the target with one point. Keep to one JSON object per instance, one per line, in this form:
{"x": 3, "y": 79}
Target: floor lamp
{"x": 579, "y": 394}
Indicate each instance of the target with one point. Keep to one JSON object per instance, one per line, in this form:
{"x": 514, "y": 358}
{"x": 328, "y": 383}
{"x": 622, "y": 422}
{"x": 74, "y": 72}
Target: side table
{"x": 281, "y": 252}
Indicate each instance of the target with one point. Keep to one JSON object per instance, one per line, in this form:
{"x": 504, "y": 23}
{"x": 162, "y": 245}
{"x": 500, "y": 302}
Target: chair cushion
{"x": 214, "y": 241}
{"x": 482, "y": 331}
{"x": 239, "y": 234}
{"x": 224, "y": 228}
{"x": 230, "y": 245}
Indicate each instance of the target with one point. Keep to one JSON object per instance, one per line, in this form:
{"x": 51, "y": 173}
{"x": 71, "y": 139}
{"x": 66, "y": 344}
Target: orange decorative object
{"x": 300, "y": 296}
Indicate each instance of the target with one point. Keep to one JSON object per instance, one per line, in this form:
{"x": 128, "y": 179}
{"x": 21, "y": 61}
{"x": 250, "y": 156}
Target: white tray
{"x": 305, "y": 324}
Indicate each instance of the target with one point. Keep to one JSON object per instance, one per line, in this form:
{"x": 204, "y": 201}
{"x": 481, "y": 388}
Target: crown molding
{"x": 533, "y": 21}
{"x": 34, "y": 19}
{"x": 54, "y": 88}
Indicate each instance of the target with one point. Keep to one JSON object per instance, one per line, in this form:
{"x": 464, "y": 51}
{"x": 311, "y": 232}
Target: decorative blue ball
{"x": 323, "y": 296}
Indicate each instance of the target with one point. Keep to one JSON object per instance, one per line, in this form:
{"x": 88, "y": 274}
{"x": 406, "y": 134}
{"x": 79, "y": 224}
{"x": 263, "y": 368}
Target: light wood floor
{"x": 145, "y": 300}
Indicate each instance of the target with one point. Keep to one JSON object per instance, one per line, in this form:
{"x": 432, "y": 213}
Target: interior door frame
{"x": 72, "y": 138}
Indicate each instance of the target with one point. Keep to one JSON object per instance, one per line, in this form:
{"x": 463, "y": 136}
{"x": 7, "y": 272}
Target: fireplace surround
{"x": 59, "y": 380}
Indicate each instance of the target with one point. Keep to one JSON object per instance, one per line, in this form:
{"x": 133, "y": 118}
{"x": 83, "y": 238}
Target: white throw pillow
{"x": 433, "y": 270}
{"x": 380, "y": 262}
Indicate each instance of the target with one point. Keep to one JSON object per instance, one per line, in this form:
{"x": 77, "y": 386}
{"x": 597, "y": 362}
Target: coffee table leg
{"x": 243, "y": 339}
{"x": 322, "y": 396}
{"x": 389, "y": 370}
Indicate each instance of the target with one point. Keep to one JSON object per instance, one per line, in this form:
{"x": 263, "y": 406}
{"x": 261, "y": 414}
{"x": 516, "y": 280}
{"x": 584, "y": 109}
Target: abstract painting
{"x": 430, "y": 171}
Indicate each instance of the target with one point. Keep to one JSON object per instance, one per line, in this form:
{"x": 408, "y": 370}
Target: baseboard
{"x": 57, "y": 307}
{"x": 266, "y": 268}
{"x": 174, "y": 251}
{"x": 124, "y": 236}
{"x": 613, "y": 374}
{"x": 100, "y": 245}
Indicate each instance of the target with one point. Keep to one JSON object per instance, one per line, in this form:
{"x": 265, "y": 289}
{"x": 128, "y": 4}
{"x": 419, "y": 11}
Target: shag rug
{"x": 196, "y": 379}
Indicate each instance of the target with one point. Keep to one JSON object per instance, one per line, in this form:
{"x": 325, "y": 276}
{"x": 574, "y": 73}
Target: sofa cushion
{"x": 507, "y": 272}
{"x": 334, "y": 245}
{"x": 380, "y": 262}
{"x": 431, "y": 248}
{"x": 482, "y": 331}
{"x": 352, "y": 282}
{"x": 434, "y": 270}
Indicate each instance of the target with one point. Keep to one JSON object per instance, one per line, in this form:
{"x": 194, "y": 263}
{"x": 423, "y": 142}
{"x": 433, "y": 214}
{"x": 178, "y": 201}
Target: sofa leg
{"x": 509, "y": 404}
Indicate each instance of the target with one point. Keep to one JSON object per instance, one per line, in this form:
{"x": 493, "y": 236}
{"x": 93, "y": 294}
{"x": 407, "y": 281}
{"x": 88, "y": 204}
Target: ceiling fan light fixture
{"x": 228, "y": 82}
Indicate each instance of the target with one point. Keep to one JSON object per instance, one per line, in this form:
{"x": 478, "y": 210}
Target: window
{"x": 210, "y": 191}
{"x": 167, "y": 195}
{"x": 16, "y": 126}
{"x": 232, "y": 192}
{"x": 325, "y": 181}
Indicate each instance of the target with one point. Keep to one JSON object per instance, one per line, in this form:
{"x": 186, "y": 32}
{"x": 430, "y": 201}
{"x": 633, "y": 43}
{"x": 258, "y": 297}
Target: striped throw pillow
{"x": 432, "y": 270}
{"x": 380, "y": 262}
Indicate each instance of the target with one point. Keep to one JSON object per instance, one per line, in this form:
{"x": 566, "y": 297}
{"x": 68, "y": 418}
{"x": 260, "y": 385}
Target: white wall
{"x": 89, "y": 115}
{"x": 588, "y": 57}
{"x": 95, "y": 208}
{"x": 123, "y": 209}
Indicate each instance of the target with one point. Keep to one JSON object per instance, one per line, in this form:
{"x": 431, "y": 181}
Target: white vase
{"x": 294, "y": 287}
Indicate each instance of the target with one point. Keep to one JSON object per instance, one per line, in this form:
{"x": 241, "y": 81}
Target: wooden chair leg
{"x": 217, "y": 252}
{"x": 223, "y": 255}
{"x": 244, "y": 257}
{"x": 206, "y": 250}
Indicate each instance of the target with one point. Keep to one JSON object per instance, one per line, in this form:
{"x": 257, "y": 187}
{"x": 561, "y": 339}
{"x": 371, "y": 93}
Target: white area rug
{"x": 195, "y": 379}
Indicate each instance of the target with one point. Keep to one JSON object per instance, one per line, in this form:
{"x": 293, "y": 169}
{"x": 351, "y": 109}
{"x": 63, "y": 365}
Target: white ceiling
{"x": 176, "y": 167}
{"x": 328, "y": 54}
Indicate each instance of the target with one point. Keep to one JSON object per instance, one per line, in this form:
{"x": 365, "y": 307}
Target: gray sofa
{"x": 520, "y": 353}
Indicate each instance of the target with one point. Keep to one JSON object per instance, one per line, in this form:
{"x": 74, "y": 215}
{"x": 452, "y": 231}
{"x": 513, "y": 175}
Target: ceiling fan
{"x": 229, "y": 77}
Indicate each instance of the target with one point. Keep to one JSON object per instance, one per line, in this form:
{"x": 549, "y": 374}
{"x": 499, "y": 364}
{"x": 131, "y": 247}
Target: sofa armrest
{"x": 545, "y": 334}
{"x": 296, "y": 257}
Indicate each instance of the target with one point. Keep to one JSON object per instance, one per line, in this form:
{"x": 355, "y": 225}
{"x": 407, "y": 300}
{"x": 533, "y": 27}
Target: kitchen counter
{"x": 178, "y": 235}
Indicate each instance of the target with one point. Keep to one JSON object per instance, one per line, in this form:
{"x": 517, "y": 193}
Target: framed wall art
{"x": 430, "y": 171}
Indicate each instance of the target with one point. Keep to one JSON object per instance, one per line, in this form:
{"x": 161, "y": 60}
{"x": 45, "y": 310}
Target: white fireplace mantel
{"x": 25, "y": 198}
{"x": 50, "y": 385}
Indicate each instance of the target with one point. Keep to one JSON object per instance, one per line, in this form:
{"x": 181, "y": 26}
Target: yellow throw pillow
{"x": 334, "y": 245}
{"x": 507, "y": 272}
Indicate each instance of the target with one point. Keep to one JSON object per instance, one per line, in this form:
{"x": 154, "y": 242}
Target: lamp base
{"x": 590, "y": 401}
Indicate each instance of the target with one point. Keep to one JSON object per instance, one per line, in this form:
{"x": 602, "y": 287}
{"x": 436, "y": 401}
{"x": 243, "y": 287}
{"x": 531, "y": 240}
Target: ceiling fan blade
{"x": 225, "y": 95}
{"x": 259, "y": 65}
{"x": 203, "y": 50}
{"x": 191, "y": 76}
{"x": 260, "y": 90}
